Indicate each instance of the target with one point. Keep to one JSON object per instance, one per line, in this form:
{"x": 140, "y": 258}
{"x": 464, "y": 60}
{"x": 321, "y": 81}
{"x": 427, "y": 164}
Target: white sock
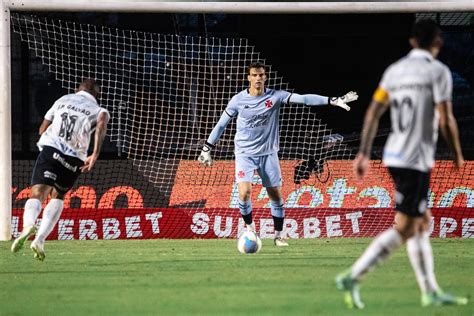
{"x": 251, "y": 227}
{"x": 427, "y": 252}
{"x": 379, "y": 250}
{"x": 416, "y": 259}
{"x": 32, "y": 210}
{"x": 51, "y": 215}
{"x": 277, "y": 233}
{"x": 421, "y": 258}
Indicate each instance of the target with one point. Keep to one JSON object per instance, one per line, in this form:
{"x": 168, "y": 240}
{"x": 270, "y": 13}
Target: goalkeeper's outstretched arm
{"x": 318, "y": 100}
{"x": 205, "y": 156}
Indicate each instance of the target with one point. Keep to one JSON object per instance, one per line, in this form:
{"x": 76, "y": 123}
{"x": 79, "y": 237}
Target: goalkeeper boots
{"x": 38, "y": 249}
{"x": 346, "y": 283}
{"x": 441, "y": 298}
{"x": 20, "y": 241}
{"x": 280, "y": 242}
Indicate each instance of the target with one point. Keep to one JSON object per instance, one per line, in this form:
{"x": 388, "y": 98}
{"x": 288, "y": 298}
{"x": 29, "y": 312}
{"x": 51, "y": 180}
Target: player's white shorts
{"x": 268, "y": 168}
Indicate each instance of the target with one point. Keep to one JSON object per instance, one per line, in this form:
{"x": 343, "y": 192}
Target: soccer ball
{"x": 249, "y": 242}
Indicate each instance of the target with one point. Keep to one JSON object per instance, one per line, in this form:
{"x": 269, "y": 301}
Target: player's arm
{"x": 99, "y": 136}
{"x": 449, "y": 130}
{"x": 376, "y": 109}
{"x": 44, "y": 126}
{"x": 48, "y": 118}
{"x": 318, "y": 100}
{"x": 205, "y": 156}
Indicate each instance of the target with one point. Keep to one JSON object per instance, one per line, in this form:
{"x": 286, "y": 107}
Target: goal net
{"x": 165, "y": 93}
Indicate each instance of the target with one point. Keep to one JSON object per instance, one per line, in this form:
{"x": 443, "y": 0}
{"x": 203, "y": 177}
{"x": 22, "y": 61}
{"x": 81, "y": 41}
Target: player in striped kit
{"x": 65, "y": 136}
{"x": 257, "y": 140}
{"x": 418, "y": 89}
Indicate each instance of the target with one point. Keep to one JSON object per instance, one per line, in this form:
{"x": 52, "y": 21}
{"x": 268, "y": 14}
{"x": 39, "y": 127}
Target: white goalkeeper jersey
{"x": 257, "y": 121}
{"x": 74, "y": 118}
{"x": 415, "y": 84}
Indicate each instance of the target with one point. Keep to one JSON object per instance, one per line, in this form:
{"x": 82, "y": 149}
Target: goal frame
{"x": 160, "y": 7}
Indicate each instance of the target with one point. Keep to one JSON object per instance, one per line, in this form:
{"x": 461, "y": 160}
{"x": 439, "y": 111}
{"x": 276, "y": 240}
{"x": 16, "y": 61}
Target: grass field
{"x": 209, "y": 277}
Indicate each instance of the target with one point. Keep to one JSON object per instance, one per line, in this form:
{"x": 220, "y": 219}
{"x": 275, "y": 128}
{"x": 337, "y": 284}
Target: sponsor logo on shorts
{"x": 63, "y": 161}
{"x": 50, "y": 175}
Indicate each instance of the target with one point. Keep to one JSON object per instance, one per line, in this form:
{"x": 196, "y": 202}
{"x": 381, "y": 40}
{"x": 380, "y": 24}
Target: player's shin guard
{"x": 245, "y": 208}
{"x": 377, "y": 252}
{"x": 51, "y": 215}
{"x": 278, "y": 214}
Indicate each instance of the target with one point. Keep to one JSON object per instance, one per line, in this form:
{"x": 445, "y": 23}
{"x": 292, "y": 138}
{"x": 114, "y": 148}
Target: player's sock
{"x": 278, "y": 214}
{"x": 416, "y": 260}
{"x": 51, "y": 215}
{"x": 245, "y": 208}
{"x": 421, "y": 258}
{"x": 427, "y": 253}
{"x": 32, "y": 210}
{"x": 379, "y": 250}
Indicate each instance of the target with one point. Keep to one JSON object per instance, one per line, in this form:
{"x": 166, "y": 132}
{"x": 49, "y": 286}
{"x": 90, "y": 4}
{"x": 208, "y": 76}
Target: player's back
{"x": 415, "y": 84}
{"x": 74, "y": 117}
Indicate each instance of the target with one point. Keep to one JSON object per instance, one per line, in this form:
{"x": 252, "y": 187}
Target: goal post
{"x": 5, "y": 126}
{"x": 154, "y": 167}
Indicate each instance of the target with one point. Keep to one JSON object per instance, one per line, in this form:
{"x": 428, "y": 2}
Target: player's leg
{"x": 51, "y": 215}
{"x": 67, "y": 169}
{"x": 42, "y": 182}
{"x": 421, "y": 258}
{"x": 270, "y": 172}
{"x": 278, "y": 214}
{"x": 378, "y": 251}
{"x": 244, "y": 171}
{"x": 32, "y": 209}
{"x": 408, "y": 193}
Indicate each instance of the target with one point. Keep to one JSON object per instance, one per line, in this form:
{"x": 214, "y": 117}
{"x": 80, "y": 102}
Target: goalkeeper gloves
{"x": 341, "y": 101}
{"x": 205, "y": 156}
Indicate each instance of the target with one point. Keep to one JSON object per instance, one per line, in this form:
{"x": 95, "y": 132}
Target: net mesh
{"x": 165, "y": 93}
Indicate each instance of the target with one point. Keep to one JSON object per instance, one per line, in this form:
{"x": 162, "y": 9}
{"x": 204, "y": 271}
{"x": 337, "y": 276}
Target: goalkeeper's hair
{"x": 256, "y": 64}
{"x": 425, "y": 31}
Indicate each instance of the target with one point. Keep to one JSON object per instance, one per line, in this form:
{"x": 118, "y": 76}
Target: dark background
{"x": 323, "y": 54}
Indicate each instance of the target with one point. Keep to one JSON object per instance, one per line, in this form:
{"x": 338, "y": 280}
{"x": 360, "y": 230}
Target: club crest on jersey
{"x": 268, "y": 104}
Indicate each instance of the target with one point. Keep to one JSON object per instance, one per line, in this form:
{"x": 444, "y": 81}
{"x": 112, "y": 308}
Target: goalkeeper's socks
{"x": 245, "y": 208}
{"x": 278, "y": 223}
{"x": 32, "y": 210}
{"x": 377, "y": 252}
{"x": 278, "y": 214}
{"x": 51, "y": 215}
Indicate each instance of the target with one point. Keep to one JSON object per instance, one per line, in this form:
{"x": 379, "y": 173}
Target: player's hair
{"x": 256, "y": 64}
{"x": 91, "y": 86}
{"x": 425, "y": 31}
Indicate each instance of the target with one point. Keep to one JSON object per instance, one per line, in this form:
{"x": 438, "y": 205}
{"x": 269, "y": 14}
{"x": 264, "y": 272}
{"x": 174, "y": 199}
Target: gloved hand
{"x": 205, "y": 156}
{"x": 342, "y": 101}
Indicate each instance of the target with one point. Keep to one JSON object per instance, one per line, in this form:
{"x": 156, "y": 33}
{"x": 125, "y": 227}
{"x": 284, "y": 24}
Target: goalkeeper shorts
{"x": 267, "y": 167}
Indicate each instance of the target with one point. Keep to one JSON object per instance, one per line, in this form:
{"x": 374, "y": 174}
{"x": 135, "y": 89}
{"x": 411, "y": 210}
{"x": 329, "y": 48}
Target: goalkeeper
{"x": 257, "y": 140}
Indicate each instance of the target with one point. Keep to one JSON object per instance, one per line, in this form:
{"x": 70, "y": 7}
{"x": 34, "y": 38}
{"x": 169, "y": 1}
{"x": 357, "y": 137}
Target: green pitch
{"x": 209, "y": 277}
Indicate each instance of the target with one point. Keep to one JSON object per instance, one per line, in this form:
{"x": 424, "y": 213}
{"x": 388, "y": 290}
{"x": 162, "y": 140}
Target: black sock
{"x": 247, "y": 218}
{"x": 278, "y": 223}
